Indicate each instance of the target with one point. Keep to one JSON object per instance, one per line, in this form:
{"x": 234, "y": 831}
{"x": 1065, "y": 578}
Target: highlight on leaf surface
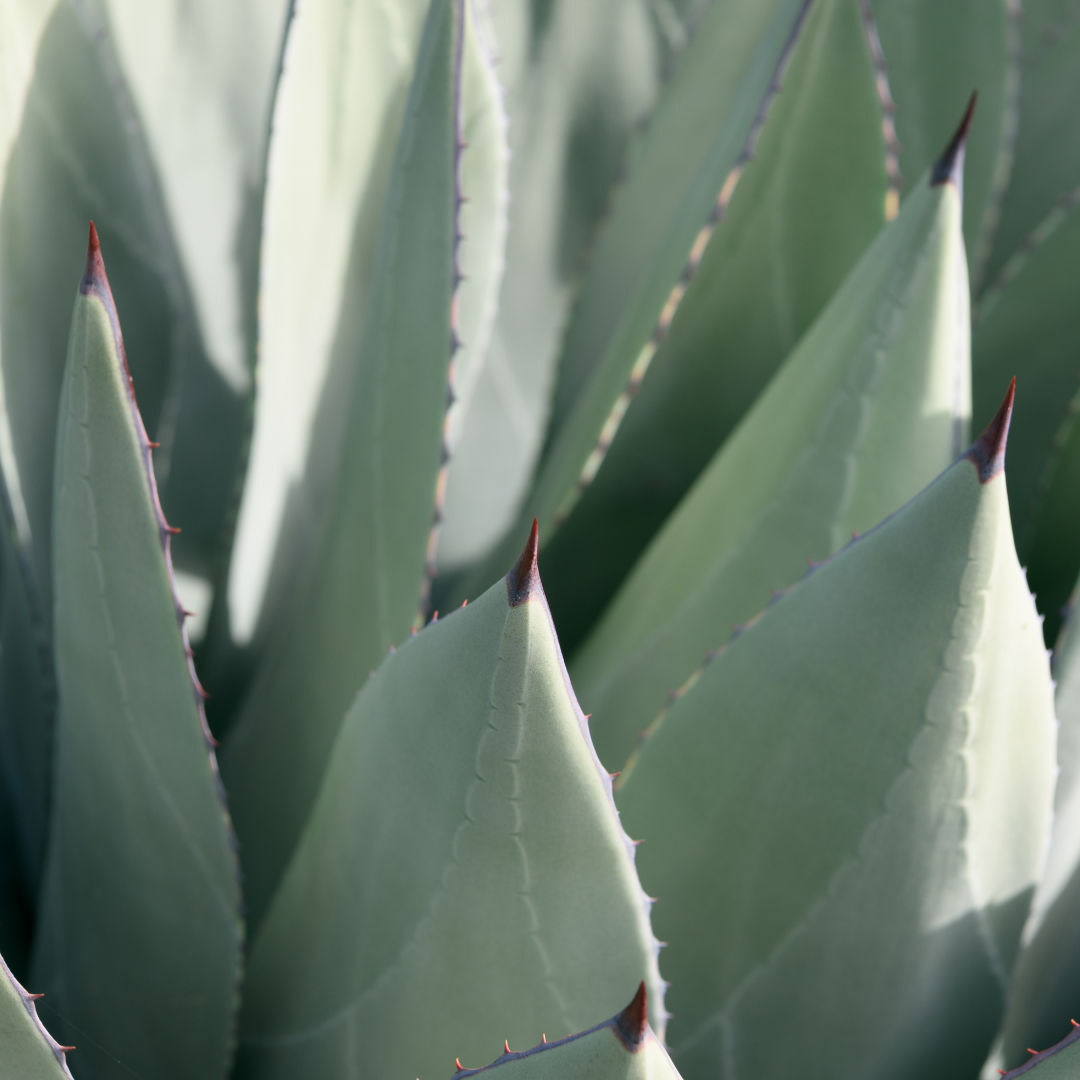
{"x": 872, "y": 404}
{"x": 463, "y": 877}
{"x": 139, "y": 934}
{"x": 624, "y": 1046}
{"x": 862, "y": 826}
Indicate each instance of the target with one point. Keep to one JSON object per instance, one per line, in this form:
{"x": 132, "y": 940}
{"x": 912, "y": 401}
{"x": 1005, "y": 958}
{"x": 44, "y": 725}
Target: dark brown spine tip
{"x": 523, "y": 582}
{"x": 988, "y": 453}
{"x": 93, "y": 279}
{"x": 950, "y": 166}
{"x": 634, "y": 1019}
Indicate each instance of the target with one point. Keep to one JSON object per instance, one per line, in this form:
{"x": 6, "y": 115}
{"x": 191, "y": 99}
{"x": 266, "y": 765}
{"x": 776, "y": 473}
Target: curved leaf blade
{"x": 868, "y": 409}
{"x": 864, "y": 824}
{"x": 459, "y": 882}
{"x": 139, "y": 934}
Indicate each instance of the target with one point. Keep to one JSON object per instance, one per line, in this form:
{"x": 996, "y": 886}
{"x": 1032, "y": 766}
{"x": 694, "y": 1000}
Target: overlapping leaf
{"x": 139, "y": 933}
{"x": 854, "y": 798}
{"x": 361, "y": 585}
{"x": 463, "y": 878}
{"x": 808, "y": 205}
{"x": 869, "y": 408}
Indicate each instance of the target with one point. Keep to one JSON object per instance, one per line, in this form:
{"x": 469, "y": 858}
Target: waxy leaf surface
{"x": 463, "y": 878}
{"x": 869, "y": 408}
{"x": 862, "y": 824}
{"x": 139, "y": 934}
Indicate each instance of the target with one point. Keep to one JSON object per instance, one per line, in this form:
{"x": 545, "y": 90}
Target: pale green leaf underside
{"x": 361, "y": 582}
{"x": 27, "y": 1051}
{"x": 463, "y": 878}
{"x": 139, "y": 934}
{"x": 862, "y": 825}
{"x": 869, "y": 408}
{"x": 936, "y": 55}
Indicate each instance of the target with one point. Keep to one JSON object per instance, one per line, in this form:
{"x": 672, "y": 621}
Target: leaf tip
{"x": 523, "y": 581}
{"x": 950, "y": 166}
{"x": 93, "y": 279}
{"x": 988, "y": 452}
{"x": 634, "y": 1019}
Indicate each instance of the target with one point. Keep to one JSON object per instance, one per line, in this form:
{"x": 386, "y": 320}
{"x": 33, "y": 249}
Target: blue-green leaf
{"x": 27, "y": 1050}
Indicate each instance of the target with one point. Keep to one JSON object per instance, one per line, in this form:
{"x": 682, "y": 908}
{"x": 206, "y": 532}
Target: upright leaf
{"x": 362, "y": 585}
{"x": 576, "y": 79}
{"x": 139, "y": 934}
{"x": 463, "y": 878}
{"x": 623, "y": 1046}
{"x": 810, "y": 202}
{"x": 854, "y": 798}
{"x": 869, "y": 408}
{"x": 936, "y": 55}
{"x": 27, "y": 1050}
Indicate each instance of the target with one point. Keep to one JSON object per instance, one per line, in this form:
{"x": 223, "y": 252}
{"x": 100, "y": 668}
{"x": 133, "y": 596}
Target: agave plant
{"x": 664, "y": 298}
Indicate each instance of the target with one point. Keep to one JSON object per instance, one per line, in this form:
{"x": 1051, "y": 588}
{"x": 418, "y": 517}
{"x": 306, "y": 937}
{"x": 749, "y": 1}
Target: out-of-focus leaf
{"x": 361, "y": 586}
{"x": 855, "y": 798}
{"x": 804, "y": 211}
{"x": 337, "y": 116}
{"x": 577, "y": 78}
{"x": 139, "y": 936}
{"x": 27, "y": 1050}
{"x": 936, "y": 55}
{"x": 870, "y": 407}
{"x": 622, "y": 1047}
{"x": 1044, "y": 995}
{"x": 1028, "y": 325}
{"x": 460, "y": 882}
{"x": 1046, "y": 166}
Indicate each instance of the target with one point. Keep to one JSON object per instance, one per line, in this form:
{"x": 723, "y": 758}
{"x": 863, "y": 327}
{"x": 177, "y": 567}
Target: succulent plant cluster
{"x": 741, "y": 322}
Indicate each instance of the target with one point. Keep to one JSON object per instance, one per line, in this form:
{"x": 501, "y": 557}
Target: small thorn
{"x": 523, "y": 582}
{"x": 464, "y": 602}
{"x": 35, "y": 997}
{"x": 171, "y": 530}
{"x": 506, "y": 1045}
{"x": 460, "y": 1067}
{"x": 1001, "y": 1072}
{"x": 1030, "y": 1051}
{"x": 988, "y": 452}
{"x": 614, "y": 775}
{"x": 950, "y": 166}
{"x": 153, "y": 445}
{"x": 543, "y": 1037}
{"x": 1074, "y": 1023}
{"x": 633, "y": 1020}
{"x": 435, "y": 616}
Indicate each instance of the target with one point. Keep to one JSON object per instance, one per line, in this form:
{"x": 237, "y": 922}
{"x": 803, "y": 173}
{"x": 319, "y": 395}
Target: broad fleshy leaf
{"x": 1060, "y": 1062}
{"x": 362, "y": 583}
{"x": 463, "y": 878}
{"x": 577, "y": 78}
{"x": 809, "y": 203}
{"x": 27, "y": 1050}
{"x": 139, "y": 935}
{"x": 622, "y": 1047}
{"x": 855, "y": 797}
{"x": 935, "y": 56}
{"x": 869, "y": 408}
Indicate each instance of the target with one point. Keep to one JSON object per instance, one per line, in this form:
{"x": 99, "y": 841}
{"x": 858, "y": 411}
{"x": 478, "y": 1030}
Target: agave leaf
{"x": 804, "y": 211}
{"x": 459, "y": 882}
{"x": 1060, "y": 1062}
{"x": 337, "y": 116}
{"x": 1028, "y": 325}
{"x": 861, "y": 825}
{"x": 576, "y": 78}
{"x": 623, "y": 1046}
{"x": 936, "y": 55}
{"x": 1047, "y": 155}
{"x": 139, "y": 934}
{"x": 869, "y": 408}
{"x": 362, "y": 586}
{"x": 27, "y": 1050}
{"x": 1043, "y": 994}
{"x": 680, "y": 172}
{"x": 75, "y": 150}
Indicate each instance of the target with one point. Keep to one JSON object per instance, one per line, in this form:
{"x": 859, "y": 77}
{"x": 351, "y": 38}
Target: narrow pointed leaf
{"x": 27, "y": 1050}
{"x": 869, "y": 408}
{"x": 862, "y": 825}
{"x": 460, "y": 882}
{"x": 935, "y": 56}
{"x": 624, "y": 1046}
{"x": 139, "y": 934}
{"x": 576, "y": 79}
{"x": 362, "y": 585}
{"x": 1046, "y": 164}
{"x": 810, "y": 202}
